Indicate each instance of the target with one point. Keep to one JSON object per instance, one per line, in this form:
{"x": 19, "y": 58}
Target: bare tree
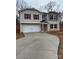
{"x": 41, "y": 8}
{"x": 20, "y": 4}
{"x": 50, "y": 6}
{"x": 57, "y": 8}
{"x": 53, "y": 6}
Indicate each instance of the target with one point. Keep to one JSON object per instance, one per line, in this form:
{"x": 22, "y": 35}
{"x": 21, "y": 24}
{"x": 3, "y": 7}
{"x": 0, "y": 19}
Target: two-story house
{"x": 32, "y": 20}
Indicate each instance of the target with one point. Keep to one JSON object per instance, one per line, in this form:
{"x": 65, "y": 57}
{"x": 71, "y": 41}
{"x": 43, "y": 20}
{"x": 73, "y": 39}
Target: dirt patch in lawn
{"x": 60, "y": 35}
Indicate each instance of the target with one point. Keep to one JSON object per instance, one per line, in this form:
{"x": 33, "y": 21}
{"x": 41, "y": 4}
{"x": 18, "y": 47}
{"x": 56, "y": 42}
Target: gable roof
{"x": 32, "y": 9}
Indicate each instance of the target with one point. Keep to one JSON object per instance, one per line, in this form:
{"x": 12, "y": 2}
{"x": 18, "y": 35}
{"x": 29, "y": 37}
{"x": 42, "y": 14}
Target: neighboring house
{"x": 32, "y": 20}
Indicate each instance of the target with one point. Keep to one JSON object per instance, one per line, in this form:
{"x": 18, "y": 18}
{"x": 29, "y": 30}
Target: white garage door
{"x": 31, "y": 28}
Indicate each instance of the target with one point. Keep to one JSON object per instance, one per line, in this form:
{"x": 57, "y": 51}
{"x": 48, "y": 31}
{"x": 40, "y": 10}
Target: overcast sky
{"x": 38, "y": 3}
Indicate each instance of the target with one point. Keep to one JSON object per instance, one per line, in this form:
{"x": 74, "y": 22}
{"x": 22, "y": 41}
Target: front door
{"x": 45, "y": 27}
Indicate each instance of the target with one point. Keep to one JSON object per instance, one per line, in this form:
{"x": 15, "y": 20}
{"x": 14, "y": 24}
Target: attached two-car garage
{"x": 30, "y": 28}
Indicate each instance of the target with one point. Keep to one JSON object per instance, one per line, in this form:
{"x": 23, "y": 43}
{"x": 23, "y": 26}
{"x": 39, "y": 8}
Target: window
{"x": 55, "y": 25}
{"x": 36, "y": 16}
{"x": 51, "y": 25}
{"x": 56, "y": 18}
{"x": 51, "y": 17}
{"x": 27, "y": 16}
{"x": 44, "y": 17}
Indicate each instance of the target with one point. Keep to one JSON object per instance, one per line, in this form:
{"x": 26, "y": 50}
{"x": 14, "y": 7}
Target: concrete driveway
{"x": 37, "y": 46}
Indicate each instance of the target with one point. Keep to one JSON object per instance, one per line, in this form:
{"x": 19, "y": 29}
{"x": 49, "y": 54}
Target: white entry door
{"x": 31, "y": 28}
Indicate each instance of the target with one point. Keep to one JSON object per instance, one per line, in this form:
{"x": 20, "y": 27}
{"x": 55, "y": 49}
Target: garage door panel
{"x": 31, "y": 28}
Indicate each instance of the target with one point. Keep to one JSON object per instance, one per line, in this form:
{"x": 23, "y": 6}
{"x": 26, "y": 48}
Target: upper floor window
{"x": 55, "y": 17}
{"x": 51, "y": 17}
{"x": 27, "y": 16}
{"x": 36, "y": 16}
{"x": 44, "y": 17}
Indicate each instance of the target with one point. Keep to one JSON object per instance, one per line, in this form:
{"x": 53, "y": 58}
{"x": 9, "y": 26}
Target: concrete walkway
{"x": 37, "y": 46}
